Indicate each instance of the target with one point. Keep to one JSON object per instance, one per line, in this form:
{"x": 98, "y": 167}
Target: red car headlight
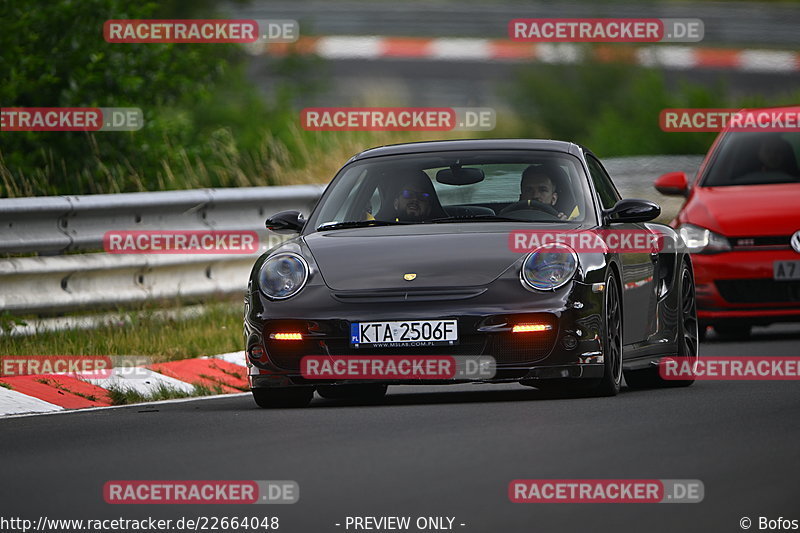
{"x": 703, "y": 241}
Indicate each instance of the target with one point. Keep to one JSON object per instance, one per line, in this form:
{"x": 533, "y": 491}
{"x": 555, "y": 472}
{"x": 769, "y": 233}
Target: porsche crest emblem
{"x": 410, "y": 276}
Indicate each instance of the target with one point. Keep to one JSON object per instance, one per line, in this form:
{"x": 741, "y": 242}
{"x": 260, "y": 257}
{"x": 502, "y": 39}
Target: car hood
{"x": 747, "y": 210}
{"x": 441, "y": 255}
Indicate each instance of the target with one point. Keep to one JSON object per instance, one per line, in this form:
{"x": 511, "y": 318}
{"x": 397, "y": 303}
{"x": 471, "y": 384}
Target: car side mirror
{"x": 672, "y": 184}
{"x": 631, "y": 210}
{"x": 286, "y": 222}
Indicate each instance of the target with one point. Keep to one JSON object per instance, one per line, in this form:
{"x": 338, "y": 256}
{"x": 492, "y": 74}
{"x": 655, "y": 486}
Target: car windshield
{"x": 456, "y": 187}
{"x": 756, "y": 158}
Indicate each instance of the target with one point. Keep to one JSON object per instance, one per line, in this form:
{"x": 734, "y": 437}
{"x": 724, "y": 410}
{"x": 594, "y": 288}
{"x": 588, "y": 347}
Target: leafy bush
{"x": 205, "y": 124}
{"x": 614, "y": 108}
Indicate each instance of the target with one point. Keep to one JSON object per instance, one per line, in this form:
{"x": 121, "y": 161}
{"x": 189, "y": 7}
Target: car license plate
{"x": 785, "y": 270}
{"x": 404, "y": 333}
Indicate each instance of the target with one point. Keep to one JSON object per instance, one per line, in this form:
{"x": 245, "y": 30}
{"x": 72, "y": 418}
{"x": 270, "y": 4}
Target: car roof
{"x": 470, "y": 144}
{"x": 788, "y": 109}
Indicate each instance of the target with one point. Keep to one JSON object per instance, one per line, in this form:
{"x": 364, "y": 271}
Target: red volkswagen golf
{"x": 741, "y": 220}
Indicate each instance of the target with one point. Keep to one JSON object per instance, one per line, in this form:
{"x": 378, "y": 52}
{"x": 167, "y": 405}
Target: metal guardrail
{"x": 53, "y": 283}
{"x": 93, "y": 281}
{"x": 55, "y": 225}
{"x": 60, "y": 224}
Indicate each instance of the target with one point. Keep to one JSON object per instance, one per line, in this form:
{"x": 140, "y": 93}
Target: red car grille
{"x": 781, "y": 242}
{"x": 751, "y": 291}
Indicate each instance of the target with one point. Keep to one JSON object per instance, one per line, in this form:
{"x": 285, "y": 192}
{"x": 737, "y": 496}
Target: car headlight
{"x": 283, "y": 275}
{"x": 703, "y": 241}
{"x": 549, "y": 267}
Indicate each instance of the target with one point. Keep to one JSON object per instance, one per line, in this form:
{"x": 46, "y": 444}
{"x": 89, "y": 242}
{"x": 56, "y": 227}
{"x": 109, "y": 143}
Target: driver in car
{"x": 537, "y": 186}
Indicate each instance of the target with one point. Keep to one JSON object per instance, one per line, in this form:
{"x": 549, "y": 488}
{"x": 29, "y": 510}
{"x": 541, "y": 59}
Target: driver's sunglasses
{"x": 408, "y": 195}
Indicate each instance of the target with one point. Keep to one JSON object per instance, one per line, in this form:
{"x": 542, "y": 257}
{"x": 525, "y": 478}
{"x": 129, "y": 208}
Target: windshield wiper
{"x": 478, "y": 218}
{"x": 358, "y": 224}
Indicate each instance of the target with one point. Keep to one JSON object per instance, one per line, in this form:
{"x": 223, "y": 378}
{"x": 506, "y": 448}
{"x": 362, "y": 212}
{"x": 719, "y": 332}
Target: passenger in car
{"x": 412, "y": 204}
{"x": 415, "y": 200}
{"x": 776, "y": 155}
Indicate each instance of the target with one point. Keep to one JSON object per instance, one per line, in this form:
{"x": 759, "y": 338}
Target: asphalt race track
{"x": 442, "y": 451}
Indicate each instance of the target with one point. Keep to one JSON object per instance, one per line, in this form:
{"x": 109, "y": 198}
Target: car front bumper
{"x": 572, "y": 348}
{"x": 738, "y": 287}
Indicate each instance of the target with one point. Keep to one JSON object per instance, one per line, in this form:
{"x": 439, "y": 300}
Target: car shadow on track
{"x": 776, "y": 332}
{"x": 398, "y": 398}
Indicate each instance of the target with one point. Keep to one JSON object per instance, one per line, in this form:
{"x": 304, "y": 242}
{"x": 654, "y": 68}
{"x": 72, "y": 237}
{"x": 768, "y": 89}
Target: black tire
{"x": 733, "y": 333}
{"x": 612, "y": 339}
{"x": 688, "y": 340}
{"x": 271, "y": 398}
{"x": 364, "y": 392}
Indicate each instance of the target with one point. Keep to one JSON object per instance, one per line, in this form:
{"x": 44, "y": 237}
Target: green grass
{"x": 313, "y": 157}
{"x": 59, "y": 386}
{"x": 205, "y": 390}
{"x": 217, "y": 330}
{"x": 124, "y": 396}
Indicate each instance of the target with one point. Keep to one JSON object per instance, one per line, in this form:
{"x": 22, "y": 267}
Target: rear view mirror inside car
{"x": 457, "y": 175}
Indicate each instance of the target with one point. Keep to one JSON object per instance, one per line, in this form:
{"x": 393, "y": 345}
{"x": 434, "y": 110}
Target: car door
{"x": 639, "y": 297}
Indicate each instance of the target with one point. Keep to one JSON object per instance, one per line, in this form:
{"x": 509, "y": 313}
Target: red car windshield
{"x": 755, "y": 159}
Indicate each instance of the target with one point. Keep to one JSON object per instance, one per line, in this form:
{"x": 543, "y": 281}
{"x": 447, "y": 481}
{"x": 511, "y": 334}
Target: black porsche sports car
{"x": 411, "y": 252}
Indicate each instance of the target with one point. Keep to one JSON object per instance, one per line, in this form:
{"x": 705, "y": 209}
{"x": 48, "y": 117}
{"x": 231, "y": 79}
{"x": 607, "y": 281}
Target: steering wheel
{"x": 525, "y": 205}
